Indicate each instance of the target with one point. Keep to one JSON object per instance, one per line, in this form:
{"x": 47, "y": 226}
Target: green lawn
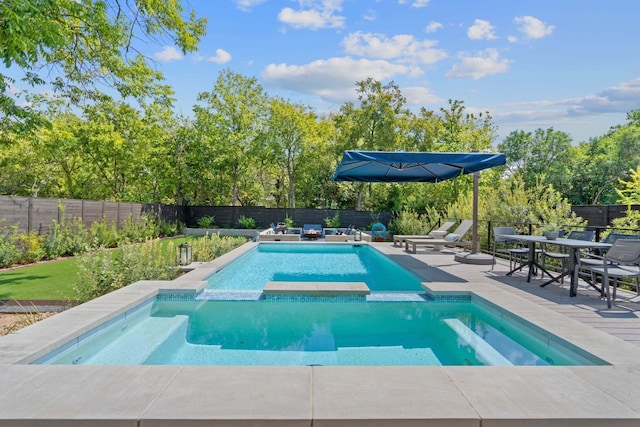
{"x": 47, "y": 281}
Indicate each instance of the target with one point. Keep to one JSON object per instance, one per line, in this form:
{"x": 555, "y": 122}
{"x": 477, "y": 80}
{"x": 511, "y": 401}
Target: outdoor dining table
{"x": 574, "y": 246}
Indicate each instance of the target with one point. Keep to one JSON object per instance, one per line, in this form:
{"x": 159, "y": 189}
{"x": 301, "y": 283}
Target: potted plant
{"x": 551, "y": 231}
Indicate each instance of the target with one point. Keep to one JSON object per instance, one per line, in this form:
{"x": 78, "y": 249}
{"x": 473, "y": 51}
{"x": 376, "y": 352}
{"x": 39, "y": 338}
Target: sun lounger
{"x": 451, "y": 239}
{"x": 399, "y": 239}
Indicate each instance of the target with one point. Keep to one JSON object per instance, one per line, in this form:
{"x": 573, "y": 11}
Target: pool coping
{"x": 315, "y": 395}
{"x": 316, "y": 288}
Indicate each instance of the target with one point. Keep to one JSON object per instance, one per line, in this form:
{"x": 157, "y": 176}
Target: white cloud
{"x": 533, "y": 28}
{"x": 420, "y": 3}
{"x": 433, "y": 26}
{"x": 247, "y": 5}
{"x": 333, "y": 79}
{"x": 370, "y": 15}
{"x": 420, "y": 95}
{"x": 169, "y": 53}
{"x": 621, "y": 98}
{"x": 484, "y": 64}
{"x": 586, "y": 115}
{"x": 404, "y": 47}
{"x": 314, "y": 14}
{"x": 221, "y": 57}
{"x": 481, "y": 30}
{"x": 415, "y": 3}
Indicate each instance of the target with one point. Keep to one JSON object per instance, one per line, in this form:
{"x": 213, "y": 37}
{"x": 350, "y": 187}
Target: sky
{"x": 573, "y": 65}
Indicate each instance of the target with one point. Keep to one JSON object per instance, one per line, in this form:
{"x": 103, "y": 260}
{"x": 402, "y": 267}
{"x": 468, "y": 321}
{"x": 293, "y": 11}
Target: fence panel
{"x": 15, "y": 211}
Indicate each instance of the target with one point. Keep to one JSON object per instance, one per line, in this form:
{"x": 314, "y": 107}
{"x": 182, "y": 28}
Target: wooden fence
{"x": 36, "y": 214}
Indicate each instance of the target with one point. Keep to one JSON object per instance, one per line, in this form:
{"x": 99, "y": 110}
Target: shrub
{"x": 288, "y": 221}
{"x": 136, "y": 231}
{"x": 246, "y": 222}
{"x": 29, "y": 247}
{"x": 170, "y": 228}
{"x": 333, "y": 222}
{"x": 408, "y": 221}
{"x": 104, "y": 234}
{"x": 212, "y": 246}
{"x": 207, "y": 221}
{"x": 101, "y": 272}
{"x": 9, "y": 255}
{"x": 67, "y": 237}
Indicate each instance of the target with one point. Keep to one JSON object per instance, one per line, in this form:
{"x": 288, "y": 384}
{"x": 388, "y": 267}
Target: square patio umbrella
{"x": 403, "y": 166}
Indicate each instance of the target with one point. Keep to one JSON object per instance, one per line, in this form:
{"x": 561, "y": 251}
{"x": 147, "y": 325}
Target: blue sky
{"x": 573, "y": 65}
{"x": 568, "y": 64}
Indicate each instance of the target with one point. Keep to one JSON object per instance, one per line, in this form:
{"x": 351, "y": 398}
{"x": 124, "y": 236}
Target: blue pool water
{"x": 317, "y": 333}
{"x": 233, "y": 323}
{"x": 314, "y": 262}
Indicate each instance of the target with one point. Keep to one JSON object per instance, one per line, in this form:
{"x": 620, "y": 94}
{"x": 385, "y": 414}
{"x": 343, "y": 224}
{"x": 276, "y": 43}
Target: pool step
{"x": 227, "y": 295}
{"x": 132, "y": 347}
{"x": 484, "y": 352}
{"x": 344, "y": 356}
{"x": 317, "y": 288}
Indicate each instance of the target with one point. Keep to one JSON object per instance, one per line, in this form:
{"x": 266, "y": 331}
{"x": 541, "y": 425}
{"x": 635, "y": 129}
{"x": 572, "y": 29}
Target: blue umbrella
{"x": 401, "y": 166}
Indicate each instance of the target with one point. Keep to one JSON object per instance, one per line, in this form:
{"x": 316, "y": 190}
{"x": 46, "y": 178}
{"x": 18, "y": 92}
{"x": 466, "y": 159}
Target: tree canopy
{"x": 107, "y": 129}
{"x": 78, "y": 49}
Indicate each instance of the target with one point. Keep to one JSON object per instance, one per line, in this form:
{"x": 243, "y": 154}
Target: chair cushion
{"x": 452, "y": 237}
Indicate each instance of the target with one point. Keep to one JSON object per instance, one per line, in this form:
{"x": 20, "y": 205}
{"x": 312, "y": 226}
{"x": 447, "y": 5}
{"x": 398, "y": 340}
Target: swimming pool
{"x": 313, "y": 262}
{"x": 264, "y": 332}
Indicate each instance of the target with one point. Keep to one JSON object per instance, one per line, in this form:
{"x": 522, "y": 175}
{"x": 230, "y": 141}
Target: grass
{"x": 49, "y": 281}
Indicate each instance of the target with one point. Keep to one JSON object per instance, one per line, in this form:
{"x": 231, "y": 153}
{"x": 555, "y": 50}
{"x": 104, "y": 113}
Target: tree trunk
{"x": 292, "y": 192}
{"x": 360, "y": 198}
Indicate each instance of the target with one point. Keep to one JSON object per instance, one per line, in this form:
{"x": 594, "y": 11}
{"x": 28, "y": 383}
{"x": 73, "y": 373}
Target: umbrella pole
{"x": 474, "y": 233}
{"x": 474, "y": 257}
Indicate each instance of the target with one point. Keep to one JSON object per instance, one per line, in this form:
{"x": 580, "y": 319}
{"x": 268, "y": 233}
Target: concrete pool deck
{"x": 148, "y": 396}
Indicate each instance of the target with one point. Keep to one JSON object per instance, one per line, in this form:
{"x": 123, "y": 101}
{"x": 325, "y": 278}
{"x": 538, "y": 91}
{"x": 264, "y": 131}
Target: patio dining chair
{"x": 622, "y": 260}
{"x": 517, "y": 253}
{"x": 563, "y": 257}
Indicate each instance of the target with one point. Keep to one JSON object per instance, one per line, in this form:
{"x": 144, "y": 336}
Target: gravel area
{"x": 11, "y": 322}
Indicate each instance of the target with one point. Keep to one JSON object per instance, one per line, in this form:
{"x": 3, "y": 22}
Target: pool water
{"x": 318, "y": 333}
{"x": 313, "y": 262}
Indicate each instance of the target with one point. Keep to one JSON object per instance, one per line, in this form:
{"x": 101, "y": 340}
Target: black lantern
{"x": 185, "y": 254}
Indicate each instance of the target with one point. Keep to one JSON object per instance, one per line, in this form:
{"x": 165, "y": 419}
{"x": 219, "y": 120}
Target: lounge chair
{"x": 451, "y": 239}
{"x": 399, "y": 239}
{"x": 312, "y": 231}
{"x": 622, "y": 260}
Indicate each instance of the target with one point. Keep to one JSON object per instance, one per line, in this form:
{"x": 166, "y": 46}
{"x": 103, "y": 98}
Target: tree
{"x": 600, "y": 163}
{"x": 231, "y": 121}
{"x": 289, "y": 134}
{"x": 79, "y": 47}
{"x": 542, "y": 157}
{"x": 374, "y": 125}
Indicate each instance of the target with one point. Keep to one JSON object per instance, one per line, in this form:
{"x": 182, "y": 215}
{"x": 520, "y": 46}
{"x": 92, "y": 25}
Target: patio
{"x": 350, "y": 396}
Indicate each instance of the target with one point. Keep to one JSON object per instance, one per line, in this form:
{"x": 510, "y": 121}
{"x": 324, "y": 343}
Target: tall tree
{"x": 541, "y": 157}
{"x": 80, "y": 47}
{"x": 600, "y": 163}
{"x": 231, "y": 121}
{"x": 375, "y": 124}
{"x": 290, "y": 132}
